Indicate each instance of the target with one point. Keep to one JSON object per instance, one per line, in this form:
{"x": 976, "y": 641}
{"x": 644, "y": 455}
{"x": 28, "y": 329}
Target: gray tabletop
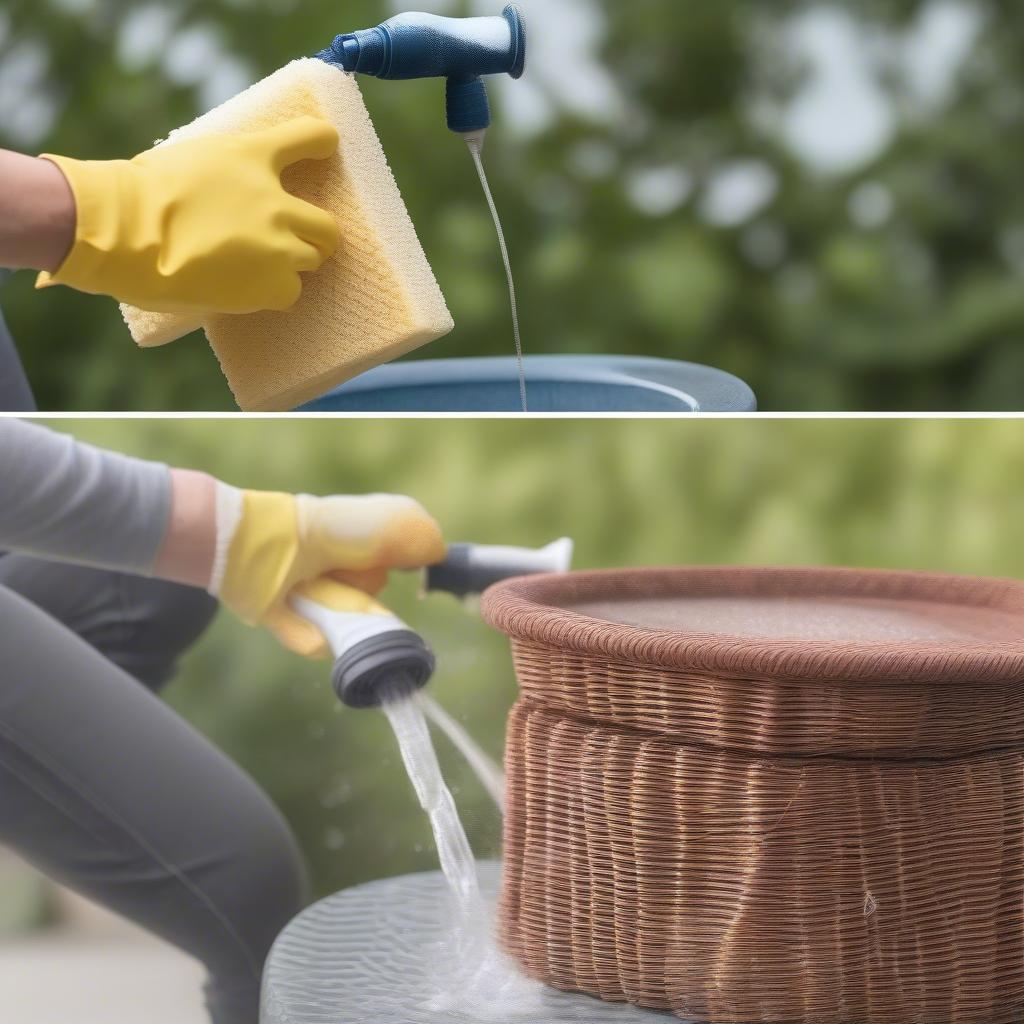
{"x": 379, "y": 953}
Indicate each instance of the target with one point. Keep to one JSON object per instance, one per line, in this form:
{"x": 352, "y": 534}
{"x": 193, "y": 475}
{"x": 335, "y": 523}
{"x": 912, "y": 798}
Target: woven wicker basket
{"x": 767, "y": 795}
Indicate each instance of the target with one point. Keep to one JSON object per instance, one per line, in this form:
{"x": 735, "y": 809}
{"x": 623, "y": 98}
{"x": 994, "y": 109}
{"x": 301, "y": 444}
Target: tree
{"x": 895, "y": 285}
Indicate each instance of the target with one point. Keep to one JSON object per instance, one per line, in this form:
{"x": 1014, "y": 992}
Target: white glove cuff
{"x": 229, "y": 514}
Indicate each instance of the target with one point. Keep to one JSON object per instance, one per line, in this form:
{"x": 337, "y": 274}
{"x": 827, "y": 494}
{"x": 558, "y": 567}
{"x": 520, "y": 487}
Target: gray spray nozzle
{"x": 386, "y": 667}
{"x": 462, "y": 50}
{"x": 470, "y": 569}
{"x": 377, "y": 657}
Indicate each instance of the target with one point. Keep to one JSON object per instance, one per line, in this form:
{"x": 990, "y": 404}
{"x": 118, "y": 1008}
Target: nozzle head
{"x": 516, "y": 23}
{"x": 418, "y": 45}
{"x": 385, "y": 667}
{"x": 467, "y": 106}
{"x": 365, "y": 52}
{"x": 350, "y": 50}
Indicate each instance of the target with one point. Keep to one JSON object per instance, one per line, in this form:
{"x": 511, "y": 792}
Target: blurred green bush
{"x": 928, "y": 495}
{"x": 893, "y": 286}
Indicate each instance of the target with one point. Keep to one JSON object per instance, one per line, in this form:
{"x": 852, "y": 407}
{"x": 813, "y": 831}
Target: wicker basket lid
{"x": 788, "y": 623}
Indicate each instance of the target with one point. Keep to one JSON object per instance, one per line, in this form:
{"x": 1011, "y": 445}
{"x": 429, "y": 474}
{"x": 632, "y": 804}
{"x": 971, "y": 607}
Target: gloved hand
{"x": 270, "y": 544}
{"x": 203, "y": 225}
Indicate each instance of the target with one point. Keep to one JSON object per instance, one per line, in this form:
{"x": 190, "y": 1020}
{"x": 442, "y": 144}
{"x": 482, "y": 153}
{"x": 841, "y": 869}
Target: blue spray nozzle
{"x": 417, "y": 45}
{"x": 462, "y": 50}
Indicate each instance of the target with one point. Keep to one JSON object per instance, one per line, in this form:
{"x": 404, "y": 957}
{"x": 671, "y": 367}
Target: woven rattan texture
{"x": 731, "y": 890}
{"x": 775, "y": 716}
{"x": 760, "y": 848}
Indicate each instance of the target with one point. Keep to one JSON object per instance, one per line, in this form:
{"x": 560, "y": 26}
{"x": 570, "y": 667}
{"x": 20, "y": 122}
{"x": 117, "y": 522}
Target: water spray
{"x": 377, "y": 656}
{"x": 381, "y": 662}
{"x": 462, "y": 51}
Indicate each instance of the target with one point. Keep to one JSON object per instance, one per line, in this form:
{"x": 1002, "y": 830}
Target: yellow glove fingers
{"x": 375, "y": 531}
{"x": 301, "y": 636}
{"x": 314, "y": 226}
{"x": 369, "y": 581}
{"x": 285, "y": 293}
{"x": 339, "y": 597}
{"x": 200, "y": 225}
{"x": 409, "y": 538}
{"x": 305, "y": 138}
{"x": 306, "y": 257}
{"x": 337, "y": 550}
{"x": 296, "y": 634}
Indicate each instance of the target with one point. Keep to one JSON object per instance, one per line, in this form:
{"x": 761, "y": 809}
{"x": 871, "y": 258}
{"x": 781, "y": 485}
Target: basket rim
{"x": 528, "y": 609}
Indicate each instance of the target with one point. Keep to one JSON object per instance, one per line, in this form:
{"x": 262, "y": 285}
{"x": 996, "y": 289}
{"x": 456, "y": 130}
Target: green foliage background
{"x": 940, "y": 496}
{"x": 925, "y": 311}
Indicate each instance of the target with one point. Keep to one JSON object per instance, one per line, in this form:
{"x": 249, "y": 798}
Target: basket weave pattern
{"x": 743, "y": 848}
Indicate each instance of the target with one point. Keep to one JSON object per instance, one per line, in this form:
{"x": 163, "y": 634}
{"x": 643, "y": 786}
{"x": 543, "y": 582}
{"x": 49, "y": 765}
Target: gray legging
{"x": 106, "y": 789}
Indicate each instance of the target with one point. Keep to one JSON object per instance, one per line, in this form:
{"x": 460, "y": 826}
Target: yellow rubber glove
{"x": 203, "y": 225}
{"x": 270, "y": 544}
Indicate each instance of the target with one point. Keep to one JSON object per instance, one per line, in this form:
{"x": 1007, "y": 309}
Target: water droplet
{"x": 338, "y": 793}
{"x": 334, "y": 839}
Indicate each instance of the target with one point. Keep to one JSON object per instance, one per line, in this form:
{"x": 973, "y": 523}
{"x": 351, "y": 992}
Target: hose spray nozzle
{"x": 461, "y": 50}
{"x": 377, "y": 656}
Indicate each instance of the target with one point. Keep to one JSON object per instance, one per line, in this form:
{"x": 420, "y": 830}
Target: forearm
{"x": 189, "y": 545}
{"x": 68, "y": 501}
{"x": 37, "y": 213}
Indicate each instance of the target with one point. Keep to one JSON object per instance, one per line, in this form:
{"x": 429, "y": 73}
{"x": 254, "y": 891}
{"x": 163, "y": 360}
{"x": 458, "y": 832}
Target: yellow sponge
{"x": 373, "y": 301}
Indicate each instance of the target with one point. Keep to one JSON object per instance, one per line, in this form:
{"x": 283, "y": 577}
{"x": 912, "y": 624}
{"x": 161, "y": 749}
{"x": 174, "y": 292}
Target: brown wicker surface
{"x": 822, "y": 821}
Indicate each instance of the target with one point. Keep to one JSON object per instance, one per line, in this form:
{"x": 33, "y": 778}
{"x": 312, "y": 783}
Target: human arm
{"x": 69, "y": 501}
{"x": 203, "y": 225}
{"x": 37, "y": 213}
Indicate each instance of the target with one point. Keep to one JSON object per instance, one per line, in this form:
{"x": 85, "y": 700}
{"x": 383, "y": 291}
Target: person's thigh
{"x": 141, "y": 625}
{"x": 15, "y": 393}
{"x": 109, "y": 791}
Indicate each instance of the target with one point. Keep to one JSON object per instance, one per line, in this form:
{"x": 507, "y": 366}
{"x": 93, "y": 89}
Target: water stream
{"x": 473, "y": 977}
{"x": 420, "y": 759}
{"x": 476, "y": 149}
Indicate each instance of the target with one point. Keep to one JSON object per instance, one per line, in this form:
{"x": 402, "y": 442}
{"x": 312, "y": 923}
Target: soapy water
{"x": 475, "y": 977}
{"x": 476, "y": 149}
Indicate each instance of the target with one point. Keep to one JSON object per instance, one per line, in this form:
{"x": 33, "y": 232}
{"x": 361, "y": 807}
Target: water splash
{"x": 477, "y": 978}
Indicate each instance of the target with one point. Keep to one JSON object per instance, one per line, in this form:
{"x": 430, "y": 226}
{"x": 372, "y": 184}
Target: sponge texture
{"x": 373, "y": 301}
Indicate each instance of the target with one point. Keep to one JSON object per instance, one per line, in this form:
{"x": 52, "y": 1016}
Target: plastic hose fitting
{"x": 470, "y": 569}
{"x": 377, "y": 657}
{"x": 461, "y": 50}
